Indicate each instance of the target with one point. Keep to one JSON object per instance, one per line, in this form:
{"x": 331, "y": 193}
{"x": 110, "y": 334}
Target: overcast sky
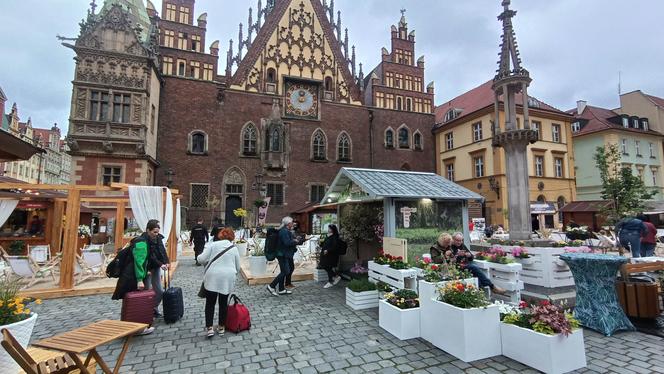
{"x": 573, "y": 49}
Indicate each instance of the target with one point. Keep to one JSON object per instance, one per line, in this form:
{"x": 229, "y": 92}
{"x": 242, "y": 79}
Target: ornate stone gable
{"x": 296, "y": 41}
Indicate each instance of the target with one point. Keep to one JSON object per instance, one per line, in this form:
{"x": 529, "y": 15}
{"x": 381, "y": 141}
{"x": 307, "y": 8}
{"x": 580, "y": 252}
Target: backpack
{"x": 113, "y": 268}
{"x": 342, "y": 247}
{"x": 271, "y": 244}
{"x": 237, "y": 316}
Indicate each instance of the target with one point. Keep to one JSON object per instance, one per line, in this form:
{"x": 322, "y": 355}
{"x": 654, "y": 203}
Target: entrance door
{"x": 232, "y": 203}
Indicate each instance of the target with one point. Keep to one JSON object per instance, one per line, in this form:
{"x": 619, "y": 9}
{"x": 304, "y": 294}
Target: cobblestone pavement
{"x": 311, "y": 331}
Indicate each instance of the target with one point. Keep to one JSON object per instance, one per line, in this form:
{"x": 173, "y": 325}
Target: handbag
{"x": 202, "y": 292}
{"x": 237, "y": 316}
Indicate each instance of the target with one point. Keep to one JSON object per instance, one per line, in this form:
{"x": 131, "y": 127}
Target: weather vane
{"x": 403, "y": 12}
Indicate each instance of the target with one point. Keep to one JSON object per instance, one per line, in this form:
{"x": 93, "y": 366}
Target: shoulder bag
{"x": 202, "y": 292}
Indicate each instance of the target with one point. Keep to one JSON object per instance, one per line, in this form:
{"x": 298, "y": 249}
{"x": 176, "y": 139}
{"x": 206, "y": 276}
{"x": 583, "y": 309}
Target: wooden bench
{"x": 639, "y": 299}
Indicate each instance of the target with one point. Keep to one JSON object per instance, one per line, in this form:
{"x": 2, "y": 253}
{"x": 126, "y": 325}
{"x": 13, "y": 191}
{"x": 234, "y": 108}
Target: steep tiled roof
{"x": 594, "y": 119}
{"x": 2, "y": 96}
{"x": 657, "y": 100}
{"x": 476, "y": 99}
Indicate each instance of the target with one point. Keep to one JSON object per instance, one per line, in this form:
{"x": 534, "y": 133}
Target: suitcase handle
{"x": 167, "y": 279}
{"x": 235, "y": 299}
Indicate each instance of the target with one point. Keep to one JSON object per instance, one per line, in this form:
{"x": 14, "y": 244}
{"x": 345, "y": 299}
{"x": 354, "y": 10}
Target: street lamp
{"x": 169, "y": 177}
{"x": 258, "y": 184}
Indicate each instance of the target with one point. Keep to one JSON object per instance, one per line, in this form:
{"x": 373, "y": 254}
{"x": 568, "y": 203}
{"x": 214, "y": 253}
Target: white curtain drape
{"x": 147, "y": 203}
{"x": 6, "y": 208}
{"x": 178, "y": 224}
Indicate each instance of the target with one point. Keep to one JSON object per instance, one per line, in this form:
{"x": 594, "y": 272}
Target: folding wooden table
{"x": 88, "y": 338}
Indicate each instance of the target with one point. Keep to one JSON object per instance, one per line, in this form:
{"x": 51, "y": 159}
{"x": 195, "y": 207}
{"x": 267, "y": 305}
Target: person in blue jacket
{"x": 286, "y": 249}
{"x": 630, "y": 231}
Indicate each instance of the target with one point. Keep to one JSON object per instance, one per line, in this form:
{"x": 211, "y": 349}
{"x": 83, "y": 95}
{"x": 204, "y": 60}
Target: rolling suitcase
{"x": 172, "y": 301}
{"x": 138, "y": 306}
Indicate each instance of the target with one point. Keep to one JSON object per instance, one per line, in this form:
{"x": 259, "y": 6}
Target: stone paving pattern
{"x": 311, "y": 331}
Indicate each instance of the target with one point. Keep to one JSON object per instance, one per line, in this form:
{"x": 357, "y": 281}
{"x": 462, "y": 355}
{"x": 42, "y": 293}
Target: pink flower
{"x": 427, "y": 260}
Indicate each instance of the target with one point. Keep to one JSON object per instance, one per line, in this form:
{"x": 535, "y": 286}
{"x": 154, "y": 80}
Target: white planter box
{"x": 22, "y": 331}
{"x": 257, "y": 265}
{"x": 241, "y": 248}
{"x": 467, "y": 334}
{"x": 320, "y": 275}
{"x": 548, "y": 353}
{"x": 402, "y": 323}
{"x": 428, "y": 317}
{"x": 525, "y": 261}
{"x": 400, "y": 279}
{"x": 361, "y": 300}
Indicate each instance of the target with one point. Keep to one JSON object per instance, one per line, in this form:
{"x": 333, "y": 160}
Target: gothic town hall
{"x": 292, "y": 107}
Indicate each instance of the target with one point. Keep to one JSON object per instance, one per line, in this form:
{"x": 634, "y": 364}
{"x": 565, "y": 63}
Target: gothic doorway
{"x": 232, "y": 203}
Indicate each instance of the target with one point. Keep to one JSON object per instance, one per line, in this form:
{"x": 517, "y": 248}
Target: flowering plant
{"x": 545, "y": 318}
{"x": 403, "y": 299}
{"x": 379, "y": 231}
{"x": 240, "y": 212}
{"x": 462, "y": 295}
{"x": 383, "y": 287}
{"x": 398, "y": 263}
{"x": 506, "y": 309}
{"x": 495, "y": 254}
{"x": 582, "y": 249}
{"x": 13, "y": 308}
{"x": 433, "y": 274}
{"x": 84, "y": 230}
{"x": 422, "y": 263}
{"x": 520, "y": 252}
{"x": 381, "y": 258}
{"x": 358, "y": 269}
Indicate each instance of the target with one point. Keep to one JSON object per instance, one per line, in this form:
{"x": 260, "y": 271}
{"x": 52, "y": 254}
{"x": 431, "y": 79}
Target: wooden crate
{"x": 545, "y": 268}
{"x": 506, "y": 276}
{"x": 400, "y": 279}
{"x": 639, "y": 299}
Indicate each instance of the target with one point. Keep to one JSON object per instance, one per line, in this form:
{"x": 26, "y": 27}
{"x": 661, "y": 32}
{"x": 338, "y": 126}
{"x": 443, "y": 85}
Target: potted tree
{"x": 543, "y": 337}
{"x": 399, "y": 314}
{"x": 84, "y": 234}
{"x": 15, "y": 317}
{"x": 468, "y": 327}
{"x": 361, "y": 294}
{"x": 257, "y": 260}
{"x": 241, "y": 243}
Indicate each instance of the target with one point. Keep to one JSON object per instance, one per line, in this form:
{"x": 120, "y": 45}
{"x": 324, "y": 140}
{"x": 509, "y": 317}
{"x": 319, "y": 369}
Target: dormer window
{"x": 451, "y": 114}
{"x": 625, "y": 122}
{"x": 635, "y": 123}
{"x": 645, "y": 125}
{"x": 533, "y": 102}
{"x": 576, "y": 126}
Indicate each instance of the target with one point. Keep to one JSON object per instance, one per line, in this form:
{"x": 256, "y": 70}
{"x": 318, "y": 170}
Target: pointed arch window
{"x": 274, "y": 139}
{"x": 389, "y": 138}
{"x": 343, "y": 149}
{"x": 250, "y": 141}
{"x": 198, "y": 143}
{"x": 417, "y": 141}
{"x": 404, "y": 138}
{"x": 319, "y": 146}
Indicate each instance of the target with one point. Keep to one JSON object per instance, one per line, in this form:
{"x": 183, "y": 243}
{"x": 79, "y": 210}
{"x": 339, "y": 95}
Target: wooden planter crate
{"x": 400, "y": 279}
{"x": 507, "y": 276}
{"x": 544, "y": 269}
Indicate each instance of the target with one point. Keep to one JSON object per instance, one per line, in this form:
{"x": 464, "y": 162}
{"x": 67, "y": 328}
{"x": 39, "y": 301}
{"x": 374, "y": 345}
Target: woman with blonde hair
{"x": 438, "y": 250}
{"x": 223, "y": 264}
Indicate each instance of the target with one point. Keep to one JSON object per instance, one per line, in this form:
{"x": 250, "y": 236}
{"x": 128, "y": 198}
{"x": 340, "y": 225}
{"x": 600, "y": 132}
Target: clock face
{"x": 302, "y": 100}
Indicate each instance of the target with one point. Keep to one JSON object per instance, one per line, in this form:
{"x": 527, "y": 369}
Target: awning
{"x": 14, "y": 149}
{"x": 586, "y": 206}
{"x": 653, "y": 207}
{"x": 542, "y": 208}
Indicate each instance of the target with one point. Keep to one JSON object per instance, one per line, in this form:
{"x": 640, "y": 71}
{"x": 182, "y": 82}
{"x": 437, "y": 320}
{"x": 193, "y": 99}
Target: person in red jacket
{"x": 649, "y": 238}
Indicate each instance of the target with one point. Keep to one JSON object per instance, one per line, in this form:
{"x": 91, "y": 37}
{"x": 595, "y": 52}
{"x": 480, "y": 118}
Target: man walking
{"x": 199, "y": 236}
{"x": 286, "y": 248}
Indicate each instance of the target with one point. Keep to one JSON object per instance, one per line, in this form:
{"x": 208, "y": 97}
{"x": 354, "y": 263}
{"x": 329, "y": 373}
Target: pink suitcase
{"x": 138, "y": 306}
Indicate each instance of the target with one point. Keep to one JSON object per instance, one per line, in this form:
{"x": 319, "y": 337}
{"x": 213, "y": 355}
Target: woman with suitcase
{"x": 222, "y": 261}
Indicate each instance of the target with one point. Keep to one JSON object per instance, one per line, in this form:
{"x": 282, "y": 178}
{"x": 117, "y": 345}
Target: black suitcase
{"x": 172, "y": 301}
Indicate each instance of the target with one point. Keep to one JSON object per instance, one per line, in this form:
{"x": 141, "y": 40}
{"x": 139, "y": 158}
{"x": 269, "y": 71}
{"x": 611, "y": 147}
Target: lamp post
{"x": 258, "y": 184}
{"x": 169, "y": 177}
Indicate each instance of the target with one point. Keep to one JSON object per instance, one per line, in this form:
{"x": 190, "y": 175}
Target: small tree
{"x": 624, "y": 190}
{"x": 358, "y": 222}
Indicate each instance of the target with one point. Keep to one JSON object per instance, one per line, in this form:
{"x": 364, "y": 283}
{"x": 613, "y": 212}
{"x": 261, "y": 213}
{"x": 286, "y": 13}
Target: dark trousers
{"x": 284, "y": 271}
{"x": 210, "y": 300}
{"x": 291, "y": 267}
{"x": 198, "y": 249}
{"x": 483, "y": 280}
{"x": 331, "y": 273}
{"x": 631, "y": 240}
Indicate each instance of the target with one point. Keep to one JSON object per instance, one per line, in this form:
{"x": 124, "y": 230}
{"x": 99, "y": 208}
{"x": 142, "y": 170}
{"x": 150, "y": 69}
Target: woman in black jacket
{"x": 329, "y": 256}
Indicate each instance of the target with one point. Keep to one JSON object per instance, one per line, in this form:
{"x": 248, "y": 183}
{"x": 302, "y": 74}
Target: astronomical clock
{"x": 302, "y": 99}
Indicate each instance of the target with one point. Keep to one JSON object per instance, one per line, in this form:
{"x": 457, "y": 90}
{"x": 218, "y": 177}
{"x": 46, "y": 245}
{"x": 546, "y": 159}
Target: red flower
{"x": 545, "y": 303}
{"x": 523, "y": 305}
{"x": 460, "y": 287}
{"x": 434, "y": 267}
{"x": 427, "y": 260}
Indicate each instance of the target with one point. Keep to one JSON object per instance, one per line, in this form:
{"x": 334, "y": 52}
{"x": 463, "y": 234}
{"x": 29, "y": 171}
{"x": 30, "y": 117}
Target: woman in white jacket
{"x": 219, "y": 278}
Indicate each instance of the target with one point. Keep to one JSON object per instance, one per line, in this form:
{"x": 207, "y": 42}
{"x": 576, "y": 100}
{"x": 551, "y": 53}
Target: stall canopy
{"x": 653, "y": 207}
{"x": 14, "y": 149}
{"x": 542, "y": 208}
{"x": 353, "y": 184}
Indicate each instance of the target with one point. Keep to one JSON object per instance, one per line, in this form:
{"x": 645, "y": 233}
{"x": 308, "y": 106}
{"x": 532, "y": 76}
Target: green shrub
{"x": 361, "y": 285}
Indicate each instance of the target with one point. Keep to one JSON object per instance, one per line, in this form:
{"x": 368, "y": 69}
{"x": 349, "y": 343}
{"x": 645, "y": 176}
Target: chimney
{"x": 581, "y": 106}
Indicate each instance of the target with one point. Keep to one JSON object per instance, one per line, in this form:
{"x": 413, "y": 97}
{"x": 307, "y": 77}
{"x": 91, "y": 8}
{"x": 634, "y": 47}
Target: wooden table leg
{"x": 125, "y": 347}
{"x": 101, "y": 362}
{"x": 83, "y": 368}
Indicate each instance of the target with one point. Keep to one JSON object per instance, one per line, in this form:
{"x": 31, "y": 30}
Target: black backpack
{"x": 271, "y": 244}
{"x": 113, "y": 268}
{"x": 342, "y": 247}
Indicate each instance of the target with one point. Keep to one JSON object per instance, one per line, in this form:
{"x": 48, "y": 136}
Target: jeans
{"x": 291, "y": 266}
{"x": 153, "y": 281}
{"x": 631, "y": 240}
{"x": 284, "y": 270}
{"x": 210, "y": 300}
{"x": 331, "y": 273}
{"x": 648, "y": 249}
{"x": 484, "y": 281}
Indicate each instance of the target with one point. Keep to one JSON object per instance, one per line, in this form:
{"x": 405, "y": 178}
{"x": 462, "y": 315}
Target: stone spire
{"x": 511, "y": 79}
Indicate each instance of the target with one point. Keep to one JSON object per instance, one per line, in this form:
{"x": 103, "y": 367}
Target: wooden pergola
{"x": 70, "y": 208}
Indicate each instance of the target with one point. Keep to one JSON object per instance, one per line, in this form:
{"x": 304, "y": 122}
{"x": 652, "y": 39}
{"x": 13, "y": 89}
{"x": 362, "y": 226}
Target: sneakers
{"x": 328, "y": 285}
{"x": 285, "y": 292}
{"x": 147, "y": 331}
{"x": 210, "y": 333}
{"x": 221, "y": 330}
{"x": 336, "y": 280}
{"x": 272, "y": 290}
